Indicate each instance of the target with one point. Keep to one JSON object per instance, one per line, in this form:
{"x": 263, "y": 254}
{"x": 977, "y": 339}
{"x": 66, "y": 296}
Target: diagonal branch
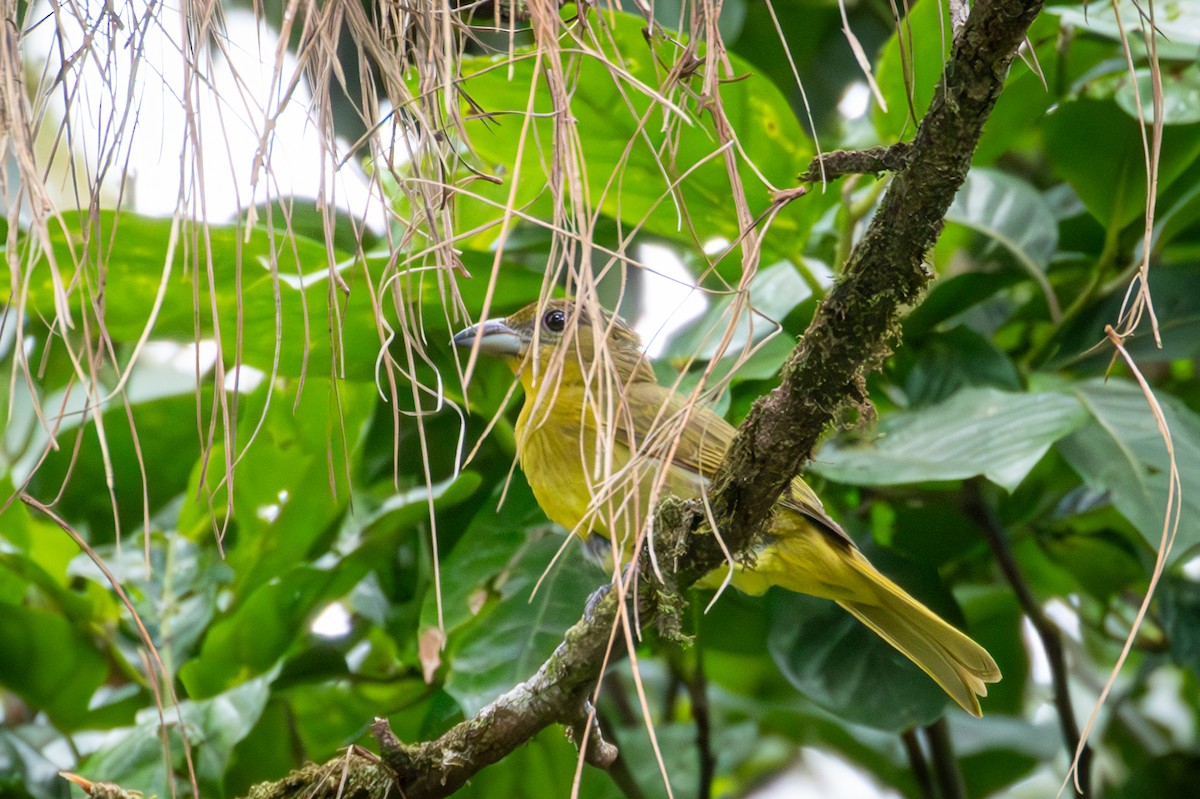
{"x": 853, "y": 330}
{"x": 855, "y": 326}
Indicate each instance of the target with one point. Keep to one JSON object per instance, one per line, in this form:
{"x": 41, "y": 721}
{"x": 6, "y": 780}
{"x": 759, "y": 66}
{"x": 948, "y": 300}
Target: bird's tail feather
{"x": 960, "y": 666}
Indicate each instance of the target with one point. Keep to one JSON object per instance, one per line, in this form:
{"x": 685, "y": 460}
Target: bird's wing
{"x": 803, "y": 500}
{"x": 653, "y": 424}
{"x": 660, "y": 423}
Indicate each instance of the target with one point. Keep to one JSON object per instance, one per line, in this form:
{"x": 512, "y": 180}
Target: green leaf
{"x": 493, "y": 541}
{"x": 29, "y": 765}
{"x": 952, "y": 297}
{"x": 644, "y": 164}
{"x": 134, "y": 756}
{"x": 1011, "y": 212}
{"x": 158, "y": 437}
{"x": 1122, "y": 452}
{"x": 267, "y": 293}
{"x": 251, "y": 271}
{"x": 911, "y": 61}
{"x": 950, "y": 361}
{"x": 1180, "y": 90}
{"x": 979, "y": 431}
{"x": 266, "y": 626}
{"x": 1102, "y": 562}
{"x": 380, "y": 525}
{"x": 1181, "y": 617}
{"x": 1115, "y": 191}
{"x": 50, "y": 663}
{"x": 1177, "y": 23}
{"x": 292, "y": 482}
{"x": 1171, "y": 774}
{"x": 509, "y": 642}
{"x": 841, "y": 665}
{"x": 997, "y": 751}
{"x": 773, "y": 293}
{"x": 1176, "y": 309}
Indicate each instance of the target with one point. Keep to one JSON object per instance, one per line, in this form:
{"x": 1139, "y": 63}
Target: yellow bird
{"x": 594, "y": 433}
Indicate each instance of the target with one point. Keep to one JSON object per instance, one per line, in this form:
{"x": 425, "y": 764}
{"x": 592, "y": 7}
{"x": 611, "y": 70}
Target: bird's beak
{"x": 495, "y": 337}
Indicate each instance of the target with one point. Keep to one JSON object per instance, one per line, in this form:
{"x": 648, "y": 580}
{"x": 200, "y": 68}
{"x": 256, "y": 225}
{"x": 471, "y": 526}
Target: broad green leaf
{"x": 1176, "y": 309}
{"x": 1114, "y": 190}
{"x": 511, "y": 640}
{"x": 134, "y": 756}
{"x": 239, "y": 278}
{"x": 842, "y": 666}
{"x": 1181, "y": 617}
{"x": 1178, "y": 209}
{"x": 909, "y": 68}
{"x": 50, "y": 663}
{"x": 1180, "y": 88}
{"x": 671, "y": 182}
{"x": 1122, "y": 452}
{"x": 22, "y": 573}
{"x": 268, "y": 624}
{"x": 997, "y": 751}
{"x": 773, "y": 293}
{"x": 268, "y": 294}
{"x": 1174, "y": 773}
{"x": 1010, "y": 212}
{"x": 1102, "y": 562}
{"x": 979, "y": 431}
{"x": 494, "y": 540}
{"x": 950, "y": 361}
{"x": 1176, "y": 21}
{"x": 29, "y": 767}
{"x": 379, "y": 524}
{"x": 177, "y": 596}
{"x": 157, "y": 437}
{"x": 292, "y": 482}
{"x": 952, "y": 297}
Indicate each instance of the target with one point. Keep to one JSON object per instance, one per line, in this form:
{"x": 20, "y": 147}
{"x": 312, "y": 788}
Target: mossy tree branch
{"x": 851, "y": 333}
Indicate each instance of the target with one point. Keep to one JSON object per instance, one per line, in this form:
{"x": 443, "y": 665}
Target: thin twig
{"x": 997, "y": 538}
{"x": 871, "y": 161}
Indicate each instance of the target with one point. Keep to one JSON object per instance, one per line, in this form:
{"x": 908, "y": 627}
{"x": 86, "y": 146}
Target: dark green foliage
{"x": 998, "y": 407}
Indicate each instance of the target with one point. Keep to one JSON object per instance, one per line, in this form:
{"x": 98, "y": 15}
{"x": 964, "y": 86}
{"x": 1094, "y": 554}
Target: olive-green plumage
{"x": 596, "y": 432}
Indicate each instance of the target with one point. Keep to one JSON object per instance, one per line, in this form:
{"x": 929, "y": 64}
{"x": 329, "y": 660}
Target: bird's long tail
{"x": 960, "y": 666}
{"x": 807, "y": 560}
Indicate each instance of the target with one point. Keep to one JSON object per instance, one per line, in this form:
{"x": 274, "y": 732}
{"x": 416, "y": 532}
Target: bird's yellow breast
{"x": 583, "y": 477}
{"x": 552, "y": 448}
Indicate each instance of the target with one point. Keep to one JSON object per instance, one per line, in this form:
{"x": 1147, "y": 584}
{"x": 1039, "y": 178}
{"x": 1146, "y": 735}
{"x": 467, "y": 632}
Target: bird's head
{"x": 532, "y": 339}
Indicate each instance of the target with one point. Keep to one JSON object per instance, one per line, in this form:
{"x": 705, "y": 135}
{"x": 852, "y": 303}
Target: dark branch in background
{"x": 851, "y": 333}
{"x": 917, "y": 763}
{"x": 945, "y": 767}
{"x": 689, "y": 672}
{"x": 997, "y": 538}
{"x": 698, "y": 692}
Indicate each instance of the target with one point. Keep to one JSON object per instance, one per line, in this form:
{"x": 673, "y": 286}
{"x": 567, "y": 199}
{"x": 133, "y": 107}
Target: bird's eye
{"x": 555, "y": 321}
